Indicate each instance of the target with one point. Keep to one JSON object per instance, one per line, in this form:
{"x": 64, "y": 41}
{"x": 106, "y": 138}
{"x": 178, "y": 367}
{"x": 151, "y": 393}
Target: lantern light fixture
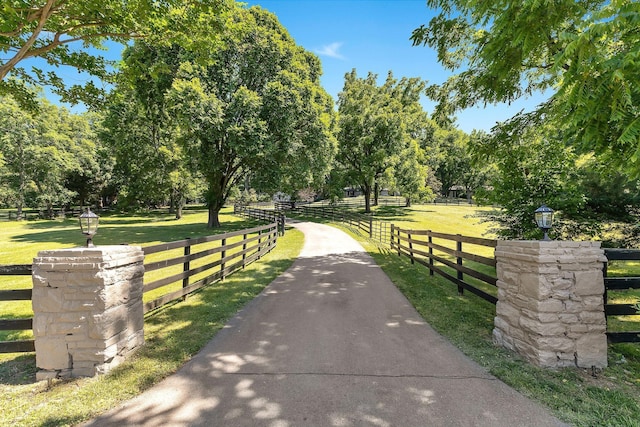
{"x": 544, "y": 219}
{"x": 89, "y": 226}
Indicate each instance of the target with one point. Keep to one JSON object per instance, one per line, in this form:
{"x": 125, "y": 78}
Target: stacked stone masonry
{"x": 550, "y": 302}
{"x": 88, "y": 311}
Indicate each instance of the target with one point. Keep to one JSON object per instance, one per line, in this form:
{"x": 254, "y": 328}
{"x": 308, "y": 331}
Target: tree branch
{"x": 45, "y": 13}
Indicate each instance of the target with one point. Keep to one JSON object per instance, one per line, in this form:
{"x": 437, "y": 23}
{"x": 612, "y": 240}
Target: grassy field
{"x": 21, "y": 241}
{"x": 607, "y": 398}
{"x": 580, "y": 397}
{"x": 173, "y": 334}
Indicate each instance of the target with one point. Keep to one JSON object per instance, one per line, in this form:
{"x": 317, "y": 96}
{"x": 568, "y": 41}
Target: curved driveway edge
{"x": 331, "y": 342}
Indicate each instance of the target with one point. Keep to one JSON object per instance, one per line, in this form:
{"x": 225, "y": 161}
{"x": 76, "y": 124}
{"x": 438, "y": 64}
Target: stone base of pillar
{"x": 88, "y": 311}
{"x": 550, "y": 304}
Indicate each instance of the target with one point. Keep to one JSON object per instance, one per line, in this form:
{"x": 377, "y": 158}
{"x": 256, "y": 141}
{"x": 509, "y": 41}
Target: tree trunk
{"x": 172, "y": 203}
{"x": 179, "y": 206}
{"x": 376, "y": 193}
{"x": 214, "y": 220}
{"x": 367, "y": 198}
{"x": 407, "y": 203}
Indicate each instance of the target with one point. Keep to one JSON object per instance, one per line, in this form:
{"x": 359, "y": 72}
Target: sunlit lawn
{"x": 610, "y": 398}
{"x": 20, "y": 242}
{"x": 173, "y": 334}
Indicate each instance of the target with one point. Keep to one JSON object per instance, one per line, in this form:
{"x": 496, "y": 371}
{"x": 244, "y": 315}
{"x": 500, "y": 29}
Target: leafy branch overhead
{"x": 52, "y": 29}
{"x": 586, "y": 53}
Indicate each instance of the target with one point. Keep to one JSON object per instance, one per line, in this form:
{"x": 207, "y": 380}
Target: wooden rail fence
{"x": 374, "y": 229}
{"x": 260, "y": 214}
{"x": 19, "y": 346}
{"x": 620, "y": 284}
{"x": 450, "y": 261}
{"x": 234, "y": 251}
{"x": 167, "y": 265}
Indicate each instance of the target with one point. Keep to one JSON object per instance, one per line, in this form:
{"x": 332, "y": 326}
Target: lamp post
{"x": 89, "y": 225}
{"x": 544, "y": 219}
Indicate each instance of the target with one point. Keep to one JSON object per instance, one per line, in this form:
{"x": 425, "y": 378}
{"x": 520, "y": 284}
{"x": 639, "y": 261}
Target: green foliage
{"x": 53, "y": 29}
{"x": 586, "y": 52}
{"x": 49, "y": 159}
{"x": 532, "y": 167}
{"x": 454, "y": 162}
{"x": 254, "y": 108}
{"x": 375, "y": 125}
{"x": 151, "y": 167}
{"x": 610, "y": 193}
{"x": 411, "y": 174}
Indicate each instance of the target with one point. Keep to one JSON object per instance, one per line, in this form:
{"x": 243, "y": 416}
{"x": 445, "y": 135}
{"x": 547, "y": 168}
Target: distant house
{"x": 355, "y": 192}
{"x": 352, "y": 192}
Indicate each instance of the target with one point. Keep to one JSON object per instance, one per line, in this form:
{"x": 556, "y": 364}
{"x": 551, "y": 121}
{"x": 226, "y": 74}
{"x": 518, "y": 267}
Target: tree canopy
{"x": 585, "y": 52}
{"x": 256, "y": 106}
{"x": 48, "y": 160}
{"x": 375, "y": 125}
{"x": 52, "y": 29}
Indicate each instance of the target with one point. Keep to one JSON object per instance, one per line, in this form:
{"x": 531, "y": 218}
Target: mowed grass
{"x": 610, "y": 397}
{"x": 173, "y": 334}
{"x": 20, "y": 242}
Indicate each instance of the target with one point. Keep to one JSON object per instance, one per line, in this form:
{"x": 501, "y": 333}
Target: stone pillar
{"x": 550, "y": 304}
{"x": 88, "y": 311}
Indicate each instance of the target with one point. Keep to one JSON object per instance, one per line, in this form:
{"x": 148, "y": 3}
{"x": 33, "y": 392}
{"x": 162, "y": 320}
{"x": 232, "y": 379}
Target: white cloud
{"x": 331, "y": 50}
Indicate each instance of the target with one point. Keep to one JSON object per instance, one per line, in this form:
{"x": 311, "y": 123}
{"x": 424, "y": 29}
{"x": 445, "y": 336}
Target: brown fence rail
{"x": 204, "y": 259}
{"x": 439, "y": 257}
{"x": 376, "y": 230}
{"x": 18, "y": 346}
{"x": 260, "y": 214}
{"x": 619, "y": 284}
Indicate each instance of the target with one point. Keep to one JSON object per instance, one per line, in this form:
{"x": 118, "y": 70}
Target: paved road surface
{"x": 331, "y": 342}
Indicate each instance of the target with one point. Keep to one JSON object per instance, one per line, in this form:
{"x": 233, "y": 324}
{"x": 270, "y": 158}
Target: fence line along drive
{"x": 261, "y": 214}
{"x": 206, "y": 259}
{"x": 171, "y": 271}
{"x": 419, "y": 245}
{"x": 374, "y": 229}
{"x": 19, "y": 346}
{"x": 620, "y": 285}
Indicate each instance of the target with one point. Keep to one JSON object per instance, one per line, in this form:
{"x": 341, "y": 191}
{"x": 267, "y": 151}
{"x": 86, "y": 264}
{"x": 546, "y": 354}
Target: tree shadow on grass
{"x": 19, "y": 370}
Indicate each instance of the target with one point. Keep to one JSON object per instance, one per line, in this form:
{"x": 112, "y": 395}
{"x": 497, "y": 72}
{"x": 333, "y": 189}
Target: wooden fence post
{"x": 411, "y": 248}
{"x": 371, "y": 228}
{"x": 244, "y": 249}
{"x": 459, "y": 262}
{"x": 430, "y": 253}
{"x": 223, "y": 254}
{"x": 186, "y": 266}
{"x": 259, "y": 243}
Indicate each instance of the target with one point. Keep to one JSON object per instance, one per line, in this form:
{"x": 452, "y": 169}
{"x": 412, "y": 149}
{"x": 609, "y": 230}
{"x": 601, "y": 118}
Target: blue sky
{"x": 373, "y": 35}
{"x": 368, "y": 35}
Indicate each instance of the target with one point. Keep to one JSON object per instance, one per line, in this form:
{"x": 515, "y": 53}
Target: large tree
{"x": 61, "y": 32}
{"x": 584, "y": 52}
{"x": 375, "y": 127}
{"x": 49, "y": 159}
{"x": 532, "y": 167}
{"x": 151, "y": 166}
{"x": 253, "y": 108}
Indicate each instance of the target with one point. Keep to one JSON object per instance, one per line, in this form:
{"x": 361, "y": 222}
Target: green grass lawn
{"x": 582, "y": 398}
{"x": 607, "y": 398}
{"x": 173, "y": 334}
{"x": 20, "y": 242}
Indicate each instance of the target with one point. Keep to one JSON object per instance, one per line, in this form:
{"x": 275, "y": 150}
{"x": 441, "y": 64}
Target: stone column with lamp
{"x": 550, "y": 306}
{"x": 87, "y": 303}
